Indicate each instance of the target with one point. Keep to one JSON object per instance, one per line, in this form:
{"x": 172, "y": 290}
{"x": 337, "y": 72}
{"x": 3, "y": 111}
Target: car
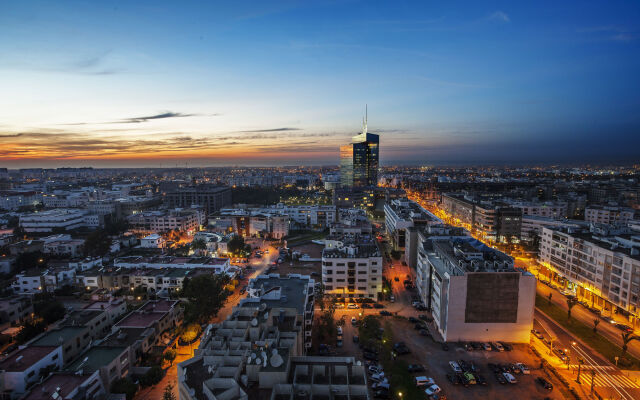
{"x": 378, "y": 377}
{"x": 377, "y": 305}
{"x": 385, "y": 313}
{"x": 396, "y": 279}
{"x": 339, "y": 342}
{"x": 481, "y": 380}
{"x": 356, "y": 338}
{"x": 476, "y": 346}
{"x": 509, "y": 378}
{"x": 366, "y": 305}
{"x": 544, "y": 383}
{"x": 370, "y": 356}
{"x": 560, "y": 353}
{"x": 463, "y": 364}
{"x": 374, "y": 369}
{"x": 339, "y": 305}
{"x": 415, "y": 368}
{"x": 497, "y": 346}
{"x": 537, "y": 333}
{"x": 468, "y": 346}
{"x": 609, "y": 320}
{"x": 455, "y": 367}
{"x": 354, "y": 321}
{"x": 380, "y": 385}
{"x": 624, "y": 328}
{"x": 414, "y": 320}
{"x": 469, "y": 378}
{"x": 352, "y": 306}
{"x": 424, "y": 381}
{"x": 381, "y": 394}
{"x": 433, "y": 389}
{"x": 486, "y": 346}
{"x": 506, "y": 346}
{"x": 339, "y": 330}
{"x": 392, "y": 299}
{"x": 424, "y": 332}
{"x": 500, "y": 378}
{"x": 523, "y": 368}
{"x": 454, "y": 379}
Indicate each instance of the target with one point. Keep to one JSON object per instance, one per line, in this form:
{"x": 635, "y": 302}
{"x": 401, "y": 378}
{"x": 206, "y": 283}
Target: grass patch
{"x": 585, "y": 333}
{"x": 400, "y": 380}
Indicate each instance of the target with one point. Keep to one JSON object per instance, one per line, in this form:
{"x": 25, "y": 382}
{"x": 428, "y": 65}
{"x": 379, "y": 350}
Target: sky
{"x": 154, "y": 83}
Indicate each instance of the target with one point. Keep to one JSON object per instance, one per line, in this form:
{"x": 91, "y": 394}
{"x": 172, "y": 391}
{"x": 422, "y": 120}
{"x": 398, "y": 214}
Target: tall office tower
{"x": 359, "y": 160}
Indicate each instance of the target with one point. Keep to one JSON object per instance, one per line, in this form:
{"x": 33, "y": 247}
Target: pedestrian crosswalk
{"x": 607, "y": 380}
{"x": 585, "y": 367}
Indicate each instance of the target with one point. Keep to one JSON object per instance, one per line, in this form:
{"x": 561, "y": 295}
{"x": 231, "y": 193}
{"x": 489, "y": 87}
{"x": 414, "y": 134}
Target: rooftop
{"x": 56, "y": 337}
{"x": 96, "y": 358}
{"x": 60, "y": 382}
{"x": 25, "y": 358}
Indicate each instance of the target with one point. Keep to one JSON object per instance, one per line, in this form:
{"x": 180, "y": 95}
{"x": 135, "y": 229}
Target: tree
{"x": 168, "y": 393}
{"x": 29, "y": 330}
{"x": 170, "y": 355}
{"x": 152, "y": 376}
{"x": 198, "y": 246}
{"x": 596, "y": 321}
{"x": 570, "y": 304}
{"x": 190, "y": 333}
{"x": 205, "y": 295}
{"x": 236, "y": 245}
{"x": 97, "y": 244}
{"x": 626, "y": 338}
{"x": 124, "y": 385}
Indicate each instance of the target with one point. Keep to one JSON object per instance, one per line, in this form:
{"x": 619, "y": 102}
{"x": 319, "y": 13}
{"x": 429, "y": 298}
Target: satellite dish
{"x": 258, "y": 361}
{"x": 254, "y": 322}
{"x": 276, "y": 360}
{"x": 262, "y": 307}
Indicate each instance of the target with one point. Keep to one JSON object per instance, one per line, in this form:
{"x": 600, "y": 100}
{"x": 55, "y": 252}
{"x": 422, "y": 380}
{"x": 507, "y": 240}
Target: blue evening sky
{"x": 237, "y": 82}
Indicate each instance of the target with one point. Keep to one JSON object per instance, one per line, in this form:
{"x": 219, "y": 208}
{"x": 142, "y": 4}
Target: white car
{"x": 339, "y": 329}
{"x": 339, "y": 305}
{"x": 510, "y": 378}
{"x": 523, "y": 368}
{"x": 498, "y": 346}
{"x": 380, "y": 385}
{"x": 374, "y": 369}
{"x": 486, "y": 346}
{"x": 352, "y": 306}
{"x": 455, "y": 367}
{"x": 433, "y": 389}
{"x": 378, "y": 377}
{"x": 424, "y": 381}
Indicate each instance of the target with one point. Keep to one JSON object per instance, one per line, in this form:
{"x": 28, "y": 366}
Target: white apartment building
{"x": 600, "y": 266}
{"x": 547, "y": 209}
{"x": 352, "y": 270}
{"x": 12, "y": 200}
{"x": 180, "y": 219}
{"x": 473, "y": 291}
{"x": 47, "y": 221}
{"x": 153, "y": 241}
{"x": 22, "y": 368}
{"x": 310, "y": 215}
{"x": 401, "y": 214}
{"x": 609, "y": 215}
{"x": 28, "y": 283}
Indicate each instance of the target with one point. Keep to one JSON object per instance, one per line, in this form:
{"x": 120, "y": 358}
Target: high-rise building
{"x": 359, "y": 160}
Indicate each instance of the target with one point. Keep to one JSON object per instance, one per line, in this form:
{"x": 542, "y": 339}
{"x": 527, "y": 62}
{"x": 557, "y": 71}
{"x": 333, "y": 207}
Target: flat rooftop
{"x": 54, "y": 336}
{"x": 140, "y": 319}
{"x": 22, "y": 359}
{"x": 96, "y": 358}
{"x": 62, "y": 383}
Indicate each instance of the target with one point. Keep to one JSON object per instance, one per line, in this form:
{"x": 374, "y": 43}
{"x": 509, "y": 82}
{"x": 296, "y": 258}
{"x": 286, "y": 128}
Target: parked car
{"x": 381, "y": 394}
{"x": 423, "y": 381}
{"x": 366, "y": 305}
{"x": 509, "y": 378}
{"x": 396, "y": 279}
{"x": 339, "y": 342}
{"x": 469, "y": 378}
{"x": 380, "y": 385}
{"x": 537, "y": 333}
{"x": 374, "y": 369}
{"x": 339, "y": 305}
{"x": 454, "y": 379}
{"x": 486, "y": 346}
{"x": 433, "y": 389}
{"x": 544, "y": 383}
{"x": 370, "y": 356}
{"x": 415, "y": 368}
{"x": 500, "y": 378}
{"x": 377, "y": 305}
{"x": 523, "y": 368}
{"x": 385, "y": 313}
{"x": 414, "y": 320}
{"x": 497, "y": 346}
{"x": 624, "y": 328}
{"x": 353, "y": 306}
{"x": 354, "y": 321}
{"x": 506, "y": 346}
{"x": 481, "y": 380}
{"x": 425, "y": 317}
{"x": 455, "y": 367}
{"x": 424, "y": 332}
{"x": 339, "y": 330}
{"x": 378, "y": 377}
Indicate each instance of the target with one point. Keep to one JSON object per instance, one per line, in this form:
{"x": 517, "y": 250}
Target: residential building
{"x": 352, "y": 268}
{"x": 68, "y": 386}
{"x": 547, "y": 209}
{"x": 401, "y": 214}
{"x": 58, "y": 219}
{"x": 13, "y": 200}
{"x": 179, "y": 219}
{"x": 14, "y": 310}
{"x": 110, "y": 362}
{"x": 600, "y": 265}
{"x": 610, "y": 215}
{"x": 72, "y": 340}
{"x": 474, "y": 292}
{"x": 211, "y": 198}
{"x": 23, "y": 368}
{"x": 153, "y": 241}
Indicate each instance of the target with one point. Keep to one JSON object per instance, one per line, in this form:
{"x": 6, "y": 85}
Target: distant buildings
{"x": 352, "y": 267}
{"x": 359, "y": 160}
{"x": 212, "y": 198}
{"x": 610, "y": 215}
{"x": 400, "y": 214}
{"x": 59, "y": 220}
{"x": 474, "y": 292}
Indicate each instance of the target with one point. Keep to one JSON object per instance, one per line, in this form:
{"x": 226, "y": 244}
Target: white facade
{"x": 606, "y": 267}
{"x": 609, "y": 215}
{"x": 184, "y": 220}
{"x": 15, "y": 200}
{"x": 23, "y": 368}
{"x": 28, "y": 284}
{"x": 153, "y": 241}
{"x": 545, "y": 209}
{"x": 47, "y": 221}
{"x": 352, "y": 272}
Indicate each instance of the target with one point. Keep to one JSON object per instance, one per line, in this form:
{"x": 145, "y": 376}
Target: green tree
{"x": 198, "y": 244}
{"x": 170, "y": 355}
{"x": 236, "y": 245}
{"x": 205, "y": 295}
{"x": 626, "y": 338}
{"x": 190, "y": 333}
{"x": 124, "y": 385}
{"x": 29, "y": 330}
{"x": 97, "y": 244}
{"x": 168, "y": 393}
{"x": 26, "y": 261}
{"x": 570, "y": 304}
{"x": 152, "y": 376}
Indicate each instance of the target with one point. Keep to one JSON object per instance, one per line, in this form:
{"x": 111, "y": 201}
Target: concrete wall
{"x": 518, "y": 332}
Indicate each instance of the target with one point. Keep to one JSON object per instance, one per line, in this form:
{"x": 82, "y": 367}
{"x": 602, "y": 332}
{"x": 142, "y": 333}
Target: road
{"x": 186, "y": 352}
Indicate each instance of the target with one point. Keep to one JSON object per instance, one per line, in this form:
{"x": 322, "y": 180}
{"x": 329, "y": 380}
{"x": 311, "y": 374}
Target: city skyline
{"x": 161, "y": 84}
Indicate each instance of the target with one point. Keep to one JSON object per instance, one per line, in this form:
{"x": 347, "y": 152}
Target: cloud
{"x": 500, "y": 16}
{"x": 163, "y": 115}
{"x": 609, "y": 33}
{"x": 86, "y": 65}
{"x": 270, "y": 130}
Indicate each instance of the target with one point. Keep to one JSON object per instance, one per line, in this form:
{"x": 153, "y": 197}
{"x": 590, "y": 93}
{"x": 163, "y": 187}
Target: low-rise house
{"x": 111, "y": 363}
{"x": 68, "y": 386}
{"x": 14, "y": 310}
{"x": 26, "y": 366}
{"x": 72, "y": 340}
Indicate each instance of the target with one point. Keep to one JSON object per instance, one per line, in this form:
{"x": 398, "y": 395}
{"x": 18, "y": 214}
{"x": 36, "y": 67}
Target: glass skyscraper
{"x": 359, "y": 160}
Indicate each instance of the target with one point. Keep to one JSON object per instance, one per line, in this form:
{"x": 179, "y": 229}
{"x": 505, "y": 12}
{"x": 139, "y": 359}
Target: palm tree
{"x": 596, "y": 321}
{"x": 626, "y": 338}
{"x": 570, "y": 303}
